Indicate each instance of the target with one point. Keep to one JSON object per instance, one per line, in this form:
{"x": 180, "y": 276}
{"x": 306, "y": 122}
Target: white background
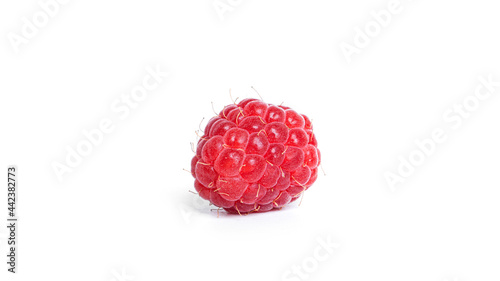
{"x": 126, "y": 208}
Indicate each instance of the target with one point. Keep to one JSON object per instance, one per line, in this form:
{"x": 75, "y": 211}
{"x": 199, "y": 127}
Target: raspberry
{"x": 255, "y": 157}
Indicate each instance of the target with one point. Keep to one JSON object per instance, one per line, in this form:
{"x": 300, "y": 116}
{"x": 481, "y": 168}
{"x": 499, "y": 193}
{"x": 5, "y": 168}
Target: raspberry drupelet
{"x": 255, "y": 157}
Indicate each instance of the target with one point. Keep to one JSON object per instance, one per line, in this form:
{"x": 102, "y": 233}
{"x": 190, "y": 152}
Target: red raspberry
{"x": 255, "y": 157}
